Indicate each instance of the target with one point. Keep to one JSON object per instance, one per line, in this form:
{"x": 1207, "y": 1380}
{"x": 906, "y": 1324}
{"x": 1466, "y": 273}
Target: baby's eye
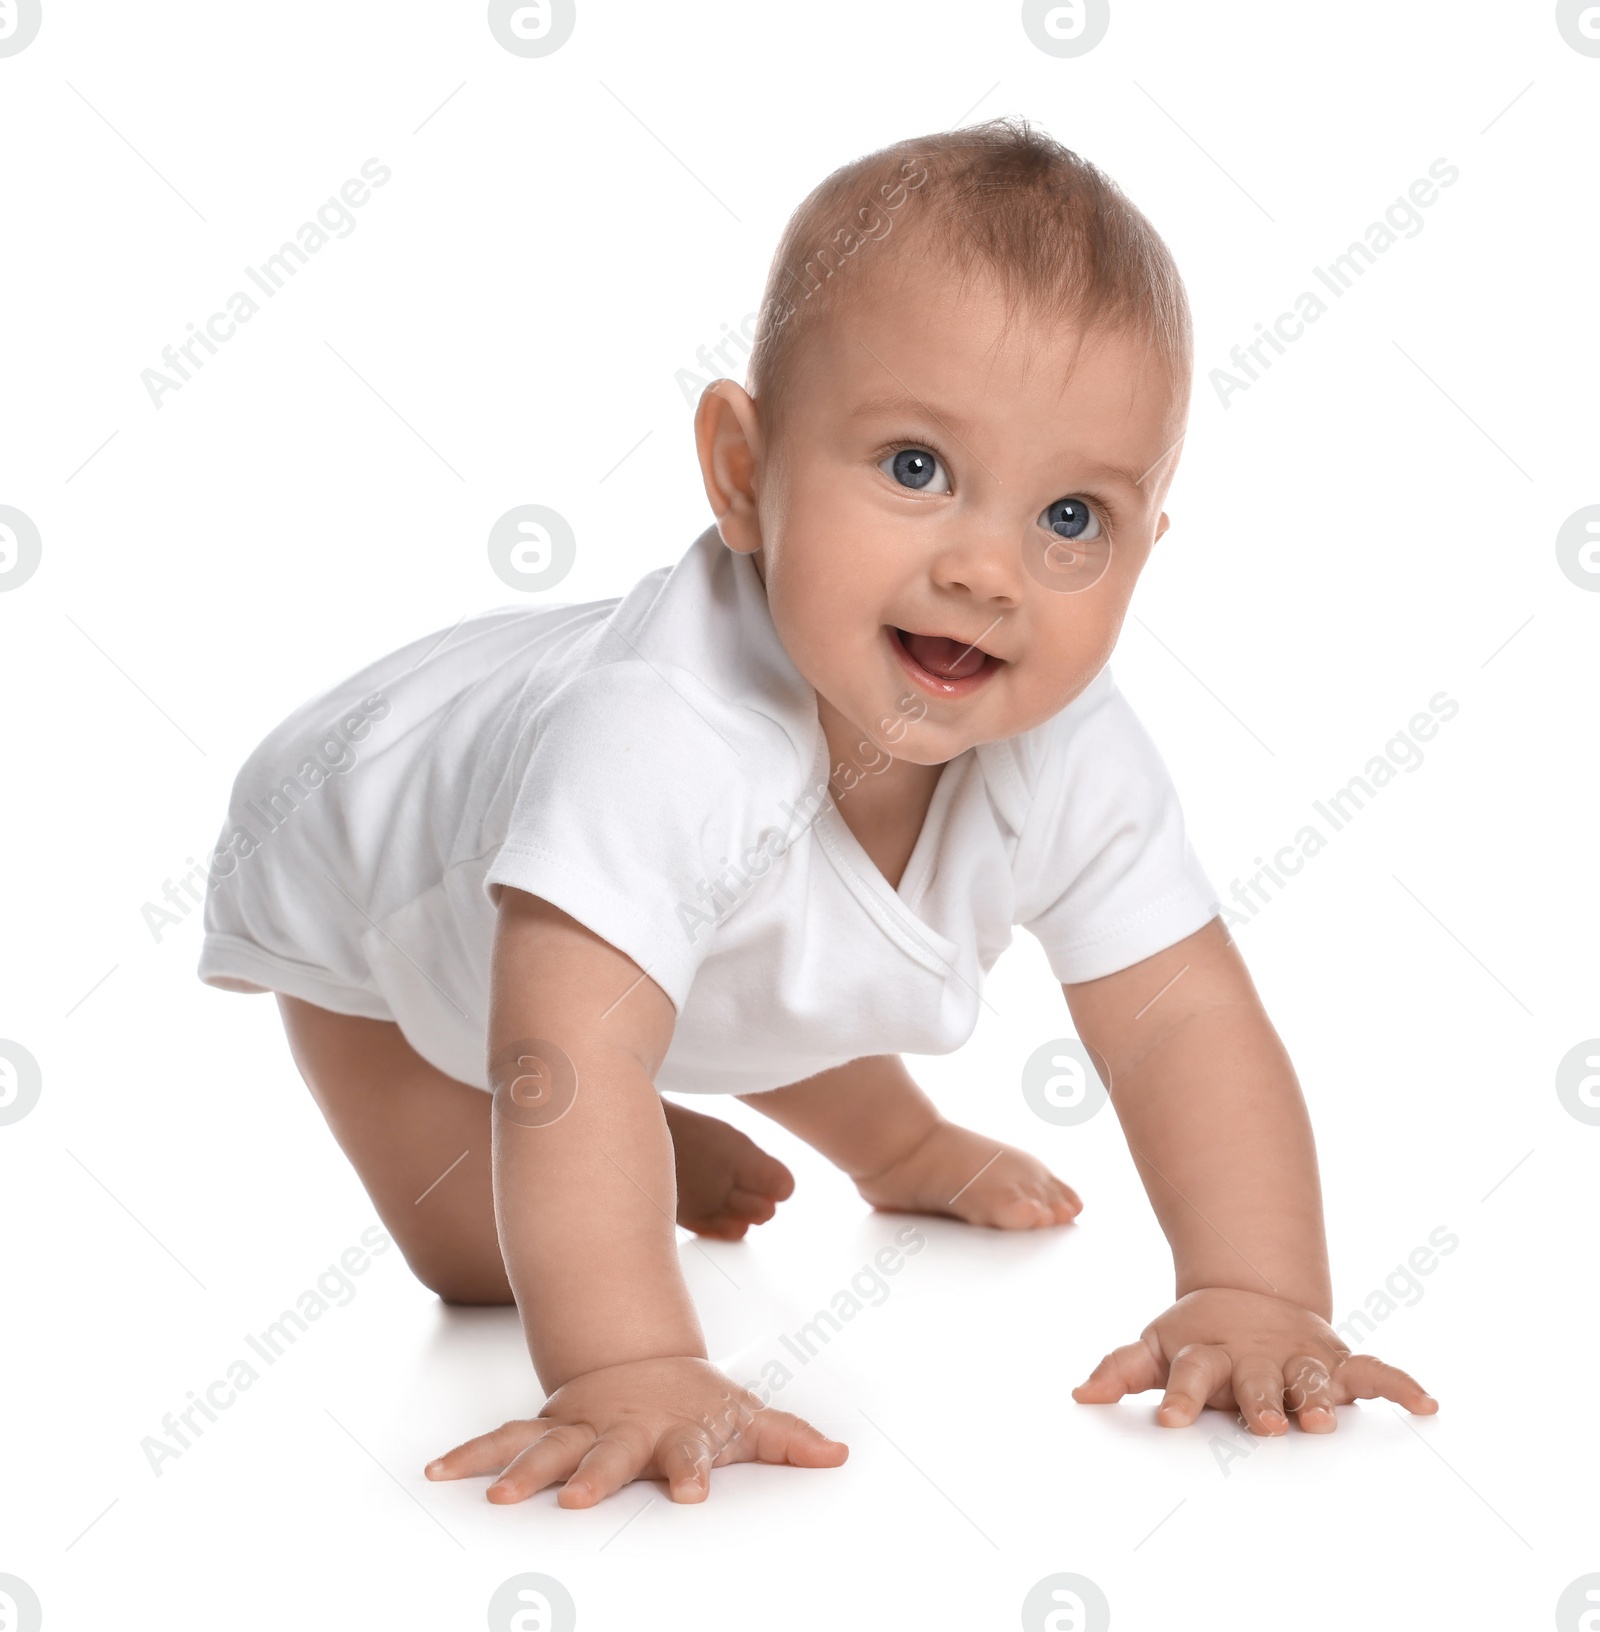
{"x": 1071, "y": 518}
{"x": 916, "y": 467}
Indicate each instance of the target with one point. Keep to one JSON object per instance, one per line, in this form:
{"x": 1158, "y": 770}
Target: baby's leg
{"x": 870, "y": 1119}
{"x": 419, "y": 1142}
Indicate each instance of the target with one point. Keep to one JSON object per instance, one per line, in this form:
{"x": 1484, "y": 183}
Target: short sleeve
{"x": 641, "y": 785}
{"x": 1106, "y": 875}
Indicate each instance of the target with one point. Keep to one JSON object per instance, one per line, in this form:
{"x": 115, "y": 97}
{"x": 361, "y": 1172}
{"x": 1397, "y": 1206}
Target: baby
{"x": 763, "y": 824}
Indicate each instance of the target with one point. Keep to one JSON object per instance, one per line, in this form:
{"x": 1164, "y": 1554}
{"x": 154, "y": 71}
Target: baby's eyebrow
{"x": 875, "y": 407}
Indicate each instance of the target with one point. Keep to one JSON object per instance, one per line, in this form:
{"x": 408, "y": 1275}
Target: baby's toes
{"x": 758, "y": 1174}
{"x": 733, "y": 1218}
{"x": 1063, "y": 1202}
{"x": 720, "y": 1227}
{"x": 1034, "y": 1203}
{"x": 753, "y": 1206}
{"x": 1060, "y": 1200}
{"x": 1018, "y": 1207}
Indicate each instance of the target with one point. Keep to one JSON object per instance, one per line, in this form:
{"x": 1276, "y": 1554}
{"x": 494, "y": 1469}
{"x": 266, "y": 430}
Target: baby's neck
{"x": 882, "y": 800}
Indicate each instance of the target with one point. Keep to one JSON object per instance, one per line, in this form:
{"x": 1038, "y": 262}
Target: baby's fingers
{"x": 547, "y": 1461}
{"x": 685, "y": 1464}
{"x": 1198, "y": 1371}
{"x": 1308, "y": 1394}
{"x": 619, "y": 1457}
{"x": 1258, "y": 1392}
{"x": 779, "y": 1436}
{"x": 488, "y": 1453}
{"x": 1128, "y": 1370}
{"x": 1364, "y": 1377}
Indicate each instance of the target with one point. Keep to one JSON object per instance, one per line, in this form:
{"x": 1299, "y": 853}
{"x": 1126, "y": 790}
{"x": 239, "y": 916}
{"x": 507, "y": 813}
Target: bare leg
{"x": 871, "y": 1120}
{"x": 419, "y": 1142}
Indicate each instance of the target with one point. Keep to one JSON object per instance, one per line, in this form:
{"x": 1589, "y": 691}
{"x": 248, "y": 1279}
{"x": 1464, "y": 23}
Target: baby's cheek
{"x": 1031, "y": 695}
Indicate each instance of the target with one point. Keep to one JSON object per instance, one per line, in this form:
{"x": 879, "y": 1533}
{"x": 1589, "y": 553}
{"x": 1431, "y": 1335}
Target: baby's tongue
{"x": 949, "y": 659}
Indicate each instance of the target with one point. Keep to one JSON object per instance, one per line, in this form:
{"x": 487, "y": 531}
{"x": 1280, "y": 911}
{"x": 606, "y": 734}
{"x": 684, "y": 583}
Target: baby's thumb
{"x": 1128, "y": 1370}
{"x": 779, "y": 1436}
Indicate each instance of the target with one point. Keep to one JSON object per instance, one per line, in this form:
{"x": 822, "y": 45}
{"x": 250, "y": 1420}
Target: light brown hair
{"x": 1062, "y": 240}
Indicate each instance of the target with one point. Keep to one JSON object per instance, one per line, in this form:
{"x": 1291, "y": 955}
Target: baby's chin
{"x": 945, "y": 732}
{"x": 941, "y": 744}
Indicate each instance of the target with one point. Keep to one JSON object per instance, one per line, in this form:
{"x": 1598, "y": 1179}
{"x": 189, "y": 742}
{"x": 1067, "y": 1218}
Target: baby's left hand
{"x": 1244, "y": 1350}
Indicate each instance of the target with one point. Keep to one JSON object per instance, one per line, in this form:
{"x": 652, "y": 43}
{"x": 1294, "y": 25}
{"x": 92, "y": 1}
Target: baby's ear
{"x": 727, "y": 436}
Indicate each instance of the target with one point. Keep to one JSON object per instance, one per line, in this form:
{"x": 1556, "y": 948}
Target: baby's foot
{"x": 964, "y": 1175}
{"x": 726, "y": 1182}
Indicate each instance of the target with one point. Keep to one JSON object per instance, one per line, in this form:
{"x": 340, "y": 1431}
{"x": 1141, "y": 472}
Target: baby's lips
{"x": 940, "y": 655}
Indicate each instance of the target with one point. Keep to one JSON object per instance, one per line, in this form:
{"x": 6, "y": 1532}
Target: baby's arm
{"x": 1219, "y": 1132}
{"x": 583, "y": 1171}
{"x": 585, "y": 1204}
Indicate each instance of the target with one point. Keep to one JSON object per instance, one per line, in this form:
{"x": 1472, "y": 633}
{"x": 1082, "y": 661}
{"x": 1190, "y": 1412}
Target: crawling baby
{"x": 762, "y": 825}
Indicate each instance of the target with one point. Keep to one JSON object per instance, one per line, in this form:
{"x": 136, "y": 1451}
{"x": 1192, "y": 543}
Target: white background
{"x": 1371, "y": 523}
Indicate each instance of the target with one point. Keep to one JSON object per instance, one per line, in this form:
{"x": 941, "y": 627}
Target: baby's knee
{"x": 462, "y": 1284}
{"x": 461, "y": 1290}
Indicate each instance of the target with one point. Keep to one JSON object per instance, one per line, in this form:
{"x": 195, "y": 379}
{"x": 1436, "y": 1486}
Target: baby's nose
{"x": 985, "y": 564}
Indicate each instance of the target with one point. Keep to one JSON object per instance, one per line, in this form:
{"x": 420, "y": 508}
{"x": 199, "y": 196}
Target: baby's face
{"x": 954, "y": 516}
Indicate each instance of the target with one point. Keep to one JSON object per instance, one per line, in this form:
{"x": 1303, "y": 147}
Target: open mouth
{"x": 942, "y": 664}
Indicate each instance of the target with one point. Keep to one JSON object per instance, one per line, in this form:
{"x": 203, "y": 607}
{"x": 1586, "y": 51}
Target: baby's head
{"x": 969, "y": 382}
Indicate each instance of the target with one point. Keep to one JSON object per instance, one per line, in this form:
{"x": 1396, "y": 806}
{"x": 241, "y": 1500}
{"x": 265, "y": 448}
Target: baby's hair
{"x": 1002, "y": 199}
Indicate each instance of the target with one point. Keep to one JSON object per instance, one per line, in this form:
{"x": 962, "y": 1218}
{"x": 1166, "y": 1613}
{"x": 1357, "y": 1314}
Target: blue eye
{"x": 916, "y": 468}
{"x": 1071, "y": 518}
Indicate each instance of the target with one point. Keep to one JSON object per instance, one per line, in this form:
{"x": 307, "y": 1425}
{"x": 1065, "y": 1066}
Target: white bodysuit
{"x": 654, "y": 767}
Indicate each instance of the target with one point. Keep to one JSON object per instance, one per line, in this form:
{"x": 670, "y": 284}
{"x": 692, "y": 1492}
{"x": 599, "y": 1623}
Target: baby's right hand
{"x": 672, "y": 1419}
